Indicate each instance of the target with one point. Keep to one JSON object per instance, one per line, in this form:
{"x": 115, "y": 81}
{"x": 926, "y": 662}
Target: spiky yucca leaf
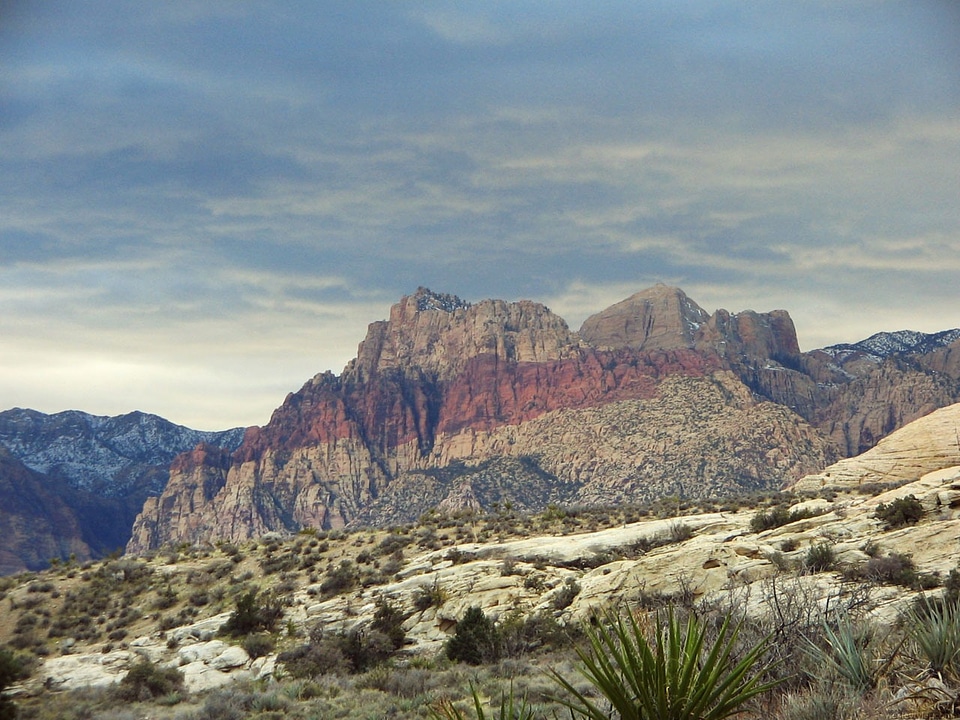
{"x": 510, "y": 709}
{"x": 679, "y": 676}
{"x": 935, "y": 629}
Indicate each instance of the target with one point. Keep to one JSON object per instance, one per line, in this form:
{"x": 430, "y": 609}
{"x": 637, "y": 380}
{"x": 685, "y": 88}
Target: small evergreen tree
{"x": 252, "y": 616}
{"x": 476, "y": 640}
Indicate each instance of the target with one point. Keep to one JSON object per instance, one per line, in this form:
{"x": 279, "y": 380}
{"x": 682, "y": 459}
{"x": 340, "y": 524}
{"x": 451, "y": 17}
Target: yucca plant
{"x": 935, "y": 629}
{"x": 510, "y": 708}
{"x": 680, "y": 675}
{"x": 850, "y": 654}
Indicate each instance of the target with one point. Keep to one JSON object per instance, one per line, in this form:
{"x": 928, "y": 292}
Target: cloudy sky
{"x": 203, "y": 204}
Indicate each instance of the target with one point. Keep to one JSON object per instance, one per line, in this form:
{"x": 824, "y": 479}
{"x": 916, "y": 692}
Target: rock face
{"x": 661, "y": 318}
{"x": 77, "y": 481}
{"x": 906, "y": 455}
{"x": 36, "y": 521}
{"x": 456, "y": 405}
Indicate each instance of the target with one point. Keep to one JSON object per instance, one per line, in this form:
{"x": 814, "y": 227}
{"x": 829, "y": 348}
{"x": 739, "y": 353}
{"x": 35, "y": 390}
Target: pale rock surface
{"x": 94, "y": 670}
{"x": 927, "y": 444}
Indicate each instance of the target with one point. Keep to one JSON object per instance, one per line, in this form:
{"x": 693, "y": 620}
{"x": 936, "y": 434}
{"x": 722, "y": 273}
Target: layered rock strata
{"x": 457, "y": 405}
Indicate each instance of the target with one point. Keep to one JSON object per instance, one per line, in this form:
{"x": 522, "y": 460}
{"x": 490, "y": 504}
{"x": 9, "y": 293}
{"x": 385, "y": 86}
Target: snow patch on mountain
{"x": 884, "y": 344}
{"x": 99, "y": 453}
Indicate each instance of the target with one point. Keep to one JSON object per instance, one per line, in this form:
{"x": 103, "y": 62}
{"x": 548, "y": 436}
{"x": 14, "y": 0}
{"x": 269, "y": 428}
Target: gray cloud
{"x": 232, "y": 191}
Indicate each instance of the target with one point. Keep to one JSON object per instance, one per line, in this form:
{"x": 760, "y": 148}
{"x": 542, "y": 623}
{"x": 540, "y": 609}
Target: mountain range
{"x": 451, "y": 406}
{"x": 72, "y": 483}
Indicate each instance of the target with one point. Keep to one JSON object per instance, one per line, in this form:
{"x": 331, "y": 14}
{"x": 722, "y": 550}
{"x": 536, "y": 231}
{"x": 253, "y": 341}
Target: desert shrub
{"x": 683, "y": 672}
{"x": 226, "y": 704}
{"x": 166, "y": 598}
{"x": 679, "y": 532}
{"x": 521, "y": 634}
{"x": 12, "y": 668}
{"x": 428, "y": 596}
{"x": 277, "y": 562}
{"x": 322, "y": 655}
{"x": 364, "y": 649}
{"x": 340, "y": 579}
{"x": 820, "y": 557}
{"x": 357, "y": 650}
{"x": 894, "y": 569}
{"x": 145, "y": 681}
{"x": 199, "y": 598}
{"x": 253, "y": 615}
{"x": 388, "y": 620}
{"x": 779, "y": 516}
{"x": 258, "y": 645}
{"x": 899, "y": 513}
{"x": 476, "y": 639}
{"x": 564, "y": 597}
{"x": 789, "y": 545}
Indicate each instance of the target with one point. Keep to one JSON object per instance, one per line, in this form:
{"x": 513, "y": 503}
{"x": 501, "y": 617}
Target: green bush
{"x": 258, "y": 645}
{"x": 778, "y": 517}
{"x": 899, "y": 513}
{"x": 476, "y": 640}
{"x": 253, "y": 615}
{"x": 820, "y": 557}
{"x": 12, "y": 668}
{"x": 145, "y": 681}
{"x": 685, "y": 672}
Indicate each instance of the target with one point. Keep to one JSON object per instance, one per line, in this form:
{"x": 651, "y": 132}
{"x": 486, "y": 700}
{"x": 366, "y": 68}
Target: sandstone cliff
{"x": 455, "y": 404}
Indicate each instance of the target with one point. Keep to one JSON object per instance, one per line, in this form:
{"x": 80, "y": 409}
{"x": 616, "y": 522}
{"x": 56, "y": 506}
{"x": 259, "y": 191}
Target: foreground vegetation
{"x": 645, "y": 655}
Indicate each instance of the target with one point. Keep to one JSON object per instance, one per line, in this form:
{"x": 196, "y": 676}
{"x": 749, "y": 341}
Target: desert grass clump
{"x": 819, "y": 703}
{"x": 684, "y": 672}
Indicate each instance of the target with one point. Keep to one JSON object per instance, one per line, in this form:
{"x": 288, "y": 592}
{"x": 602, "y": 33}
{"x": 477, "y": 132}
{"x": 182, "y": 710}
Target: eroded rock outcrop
{"x": 653, "y": 396}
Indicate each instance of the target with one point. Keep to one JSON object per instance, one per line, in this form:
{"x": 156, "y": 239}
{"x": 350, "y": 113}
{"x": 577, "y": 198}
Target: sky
{"x": 204, "y": 204}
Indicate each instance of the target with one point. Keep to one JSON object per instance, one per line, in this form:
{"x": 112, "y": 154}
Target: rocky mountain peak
{"x": 658, "y": 318}
{"x": 426, "y": 299}
{"x": 439, "y": 333}
{"x": 664, "y": 318}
